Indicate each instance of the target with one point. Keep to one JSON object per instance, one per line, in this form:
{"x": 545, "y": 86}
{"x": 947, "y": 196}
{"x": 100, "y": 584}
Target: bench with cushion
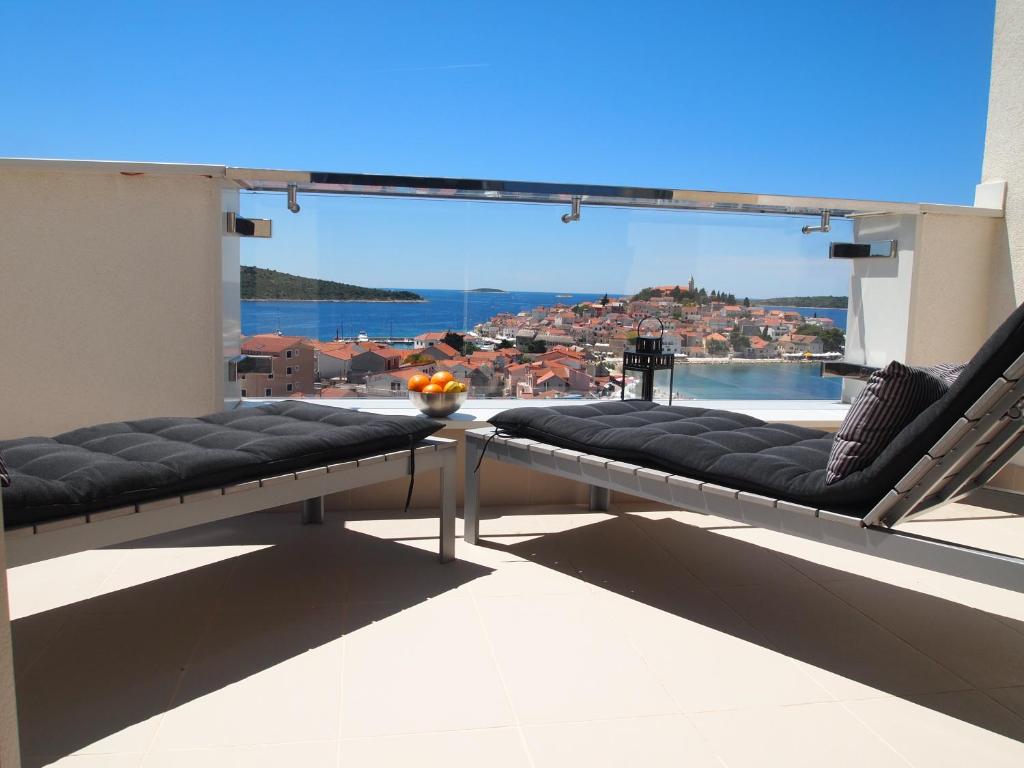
{"x": 109, "y": 483}
{"x": 778, "y": 475}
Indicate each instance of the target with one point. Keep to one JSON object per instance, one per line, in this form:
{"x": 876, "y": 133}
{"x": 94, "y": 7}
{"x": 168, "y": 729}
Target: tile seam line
{"x": 812, "y": 581}
{"x": 436, "y": 731}
{"x": 252, "y": 745}
{"x": 970, "y": 686}
{"x": 824, "y": 586}
{"x": 341, "y": 678}
{"x": 1010, "y": 622}
{"x": 796, "y": 669}
{"x": 53, "y": 637}
{"x": 711, "y": 748}
{"x": 628, "y": 639}
{"x": 711, "y": 590}
{"x": 985, "y": 692}
{"x": 183, "y": 750}
{"x": 876, "y": 734}
{"x": 200, "y": 636}
{"x": 501, "y": 677}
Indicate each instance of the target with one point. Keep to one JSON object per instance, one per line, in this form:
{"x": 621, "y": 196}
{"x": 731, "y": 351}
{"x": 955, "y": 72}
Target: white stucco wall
{"x": 880, "y": 291}
{"x": 111, "y": 294}
{"x": 1004, "y": 155}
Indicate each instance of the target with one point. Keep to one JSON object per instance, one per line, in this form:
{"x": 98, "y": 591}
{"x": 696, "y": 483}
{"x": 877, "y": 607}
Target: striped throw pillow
{"x": 947, "y": 373}
{"x": 891, "y": 399}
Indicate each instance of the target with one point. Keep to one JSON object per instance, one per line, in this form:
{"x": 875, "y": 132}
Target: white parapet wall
{"x": 114, "y": 294}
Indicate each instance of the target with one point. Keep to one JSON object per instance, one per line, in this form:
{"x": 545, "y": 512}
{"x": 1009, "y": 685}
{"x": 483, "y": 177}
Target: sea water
{"x": 752, "y": 381}
{"x": 443, "y": 310}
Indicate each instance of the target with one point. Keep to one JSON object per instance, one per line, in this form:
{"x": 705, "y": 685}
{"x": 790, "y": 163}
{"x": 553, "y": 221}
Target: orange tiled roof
{"x": 400, "y": 373}
{"x": 271, "y": 342}
{"x": 334, "y": 393}
{"x": 386, "y": 351}
{"x": 456, "y": 363}
{"x": 340, "y": 350}
{"x": 448, "y": 349}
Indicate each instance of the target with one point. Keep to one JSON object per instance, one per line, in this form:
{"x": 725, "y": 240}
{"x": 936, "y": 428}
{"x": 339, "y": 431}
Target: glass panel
{"x": 515, "y": 303}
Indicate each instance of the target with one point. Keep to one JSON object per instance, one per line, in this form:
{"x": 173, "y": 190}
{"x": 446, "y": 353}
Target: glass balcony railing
{"x": 354, "y": 296}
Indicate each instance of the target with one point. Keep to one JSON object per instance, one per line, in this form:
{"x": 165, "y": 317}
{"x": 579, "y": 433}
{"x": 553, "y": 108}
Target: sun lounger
{"x": 111, "y": 483}
{"x": 773, "y": 475}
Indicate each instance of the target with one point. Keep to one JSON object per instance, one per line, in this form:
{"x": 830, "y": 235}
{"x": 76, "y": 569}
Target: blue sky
{"x": 854, "y": 99}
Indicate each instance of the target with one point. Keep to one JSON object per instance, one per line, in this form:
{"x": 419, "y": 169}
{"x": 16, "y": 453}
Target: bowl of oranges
{"x": 437, "y": 396}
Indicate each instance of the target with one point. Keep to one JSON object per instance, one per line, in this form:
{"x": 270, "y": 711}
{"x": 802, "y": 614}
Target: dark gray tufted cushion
{"x": 111, "y": 465}
{"x": 718, "y": 446}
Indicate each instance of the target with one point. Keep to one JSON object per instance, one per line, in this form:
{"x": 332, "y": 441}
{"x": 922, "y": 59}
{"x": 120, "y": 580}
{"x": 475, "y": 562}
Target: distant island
{"x": 821, "y": 302}
{"x": 487, "y": 290}
{"x": 689, "y": 294}
{"x": 269, "y": 284}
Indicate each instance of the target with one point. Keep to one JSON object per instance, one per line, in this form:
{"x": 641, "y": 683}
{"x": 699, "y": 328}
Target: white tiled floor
{"x": 571, "y": 638}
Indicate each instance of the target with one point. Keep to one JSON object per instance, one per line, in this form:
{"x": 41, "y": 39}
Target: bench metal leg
{"x": 600, "y": 498}
{"x": 471, "y": 504}
{"x": 313, "y": 510}
{"x": 449, "y": 477}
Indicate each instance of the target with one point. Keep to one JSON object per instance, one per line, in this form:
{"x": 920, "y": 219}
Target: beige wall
{"x": 1004, "y": 161}
{"x": 950, "y": 278}
{"x": 10, "y": 756}
{"x": 1004, "y": 154}
{"x": 110, "y": 295}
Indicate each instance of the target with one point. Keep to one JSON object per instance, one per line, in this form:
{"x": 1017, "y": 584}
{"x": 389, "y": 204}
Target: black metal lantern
{"x": 647, "y": 359}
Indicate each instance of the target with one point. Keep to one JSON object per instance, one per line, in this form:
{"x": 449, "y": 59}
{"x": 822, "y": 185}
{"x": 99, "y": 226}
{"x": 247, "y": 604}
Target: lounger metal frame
{"x": 967, "y": 456}
{"x": 65, "y": 536}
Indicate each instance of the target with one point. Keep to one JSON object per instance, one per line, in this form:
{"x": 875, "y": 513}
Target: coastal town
{"x": 565, "y": 350}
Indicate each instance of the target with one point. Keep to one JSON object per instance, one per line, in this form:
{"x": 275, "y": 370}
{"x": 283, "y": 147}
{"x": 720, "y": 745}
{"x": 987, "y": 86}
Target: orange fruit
{"x": 418, "y": 382}
{"x": 441, "y": 377}
{"x": 432, "y": 388}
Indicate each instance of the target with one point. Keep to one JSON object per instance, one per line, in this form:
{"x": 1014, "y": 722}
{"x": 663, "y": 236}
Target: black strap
{"x": 497, "y": 433}
{"x": 412, "y": 473}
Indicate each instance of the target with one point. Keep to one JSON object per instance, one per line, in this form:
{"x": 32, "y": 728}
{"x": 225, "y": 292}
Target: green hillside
{"x": 259, "y": 283}
{"x": 823, "y": 302}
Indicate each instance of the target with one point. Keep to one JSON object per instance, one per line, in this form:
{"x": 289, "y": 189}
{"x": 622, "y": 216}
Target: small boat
{"x": 362, "y": 336}
{"x": 563, "y": 295}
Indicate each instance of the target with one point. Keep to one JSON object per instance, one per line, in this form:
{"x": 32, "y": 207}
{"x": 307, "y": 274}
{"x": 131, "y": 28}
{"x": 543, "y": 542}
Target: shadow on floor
{"x": 93, "y": 668}
{"x": 898, "y": 641}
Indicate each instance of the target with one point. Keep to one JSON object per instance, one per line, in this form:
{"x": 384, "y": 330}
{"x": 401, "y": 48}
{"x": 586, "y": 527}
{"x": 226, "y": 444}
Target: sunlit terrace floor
{"x": 570, "y": 638}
